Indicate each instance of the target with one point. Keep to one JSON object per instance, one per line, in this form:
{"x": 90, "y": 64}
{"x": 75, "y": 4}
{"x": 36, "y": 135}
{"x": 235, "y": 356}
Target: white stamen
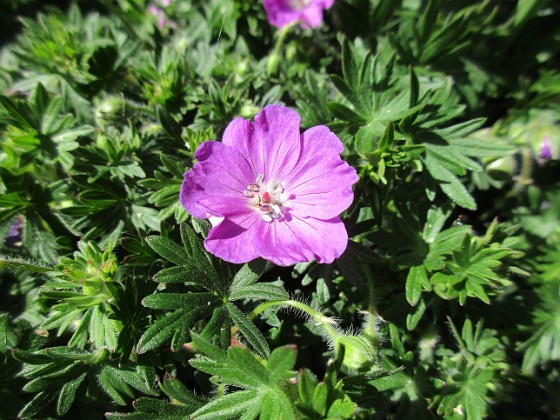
{"x": 266, "y": 197}
{"x": 253, "y": 187}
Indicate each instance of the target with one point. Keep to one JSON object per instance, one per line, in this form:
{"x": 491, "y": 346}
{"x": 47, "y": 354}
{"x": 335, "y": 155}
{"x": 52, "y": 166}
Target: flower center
{"x": 298, "y": 4}
{"x": 267, "y": 197}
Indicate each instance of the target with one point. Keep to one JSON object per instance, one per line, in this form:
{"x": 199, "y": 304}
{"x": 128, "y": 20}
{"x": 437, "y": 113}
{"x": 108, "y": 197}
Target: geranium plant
{"x": 279, "y": 209}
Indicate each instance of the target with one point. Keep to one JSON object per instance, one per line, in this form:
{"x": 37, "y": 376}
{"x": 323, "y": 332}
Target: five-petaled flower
{"x": 309, "y": 13}
{"x": 271, "y": 191}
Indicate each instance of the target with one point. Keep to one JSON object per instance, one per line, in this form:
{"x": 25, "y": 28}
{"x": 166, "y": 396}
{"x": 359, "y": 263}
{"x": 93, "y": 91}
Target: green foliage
{"x": 263, "y": 383}
{"x": 460, "y": 264}
{"x": 544, "y": 346}
{"x": 58, "y": 372}
{"x": 82, "y": 287}
{"x": 195, "y": 268}
{"x": 445, "y": 303}
{"x": 182, "y": 403}
{"x": 468, "y": 386}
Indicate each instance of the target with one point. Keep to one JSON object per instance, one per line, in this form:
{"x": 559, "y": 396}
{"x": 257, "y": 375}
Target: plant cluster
{"x": 446, "y": 301}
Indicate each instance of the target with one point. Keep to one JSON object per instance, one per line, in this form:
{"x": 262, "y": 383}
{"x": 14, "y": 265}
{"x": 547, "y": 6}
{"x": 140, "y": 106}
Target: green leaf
{"x": 526, "y": 9}
{"x": 453, "y": 160}
{"x": 171, "y": 127}
{"x": 218, "y": 328}
{"x": 19, "y": 112}
{"x": 270, "y": 407}
{"x": 413, "y": 319}
{"x": 260, "y": 291}
{"x": 229, "y": 406}
{"x": 342, "y": 112}
{"x": 276, "y": 405}
{"x": 176, "y": 325}
{"x": 367, "y": 137}
{"x": 435, "y": 219}
{"x": 72, "y": 134}
{"x": 37, "y": 404}
{"x": 178, "y": 300}
{"x": 202, "y": 261}
{"x": 416, "y": 278}
{"x": 388, "y": 138}
{"x": 208, "y": 348}
{"x": 161, "y": 330}
{"x": 168, "y": 249}
{"x": 342, "y": 408}
{"x": 51, "y": 121}
{"x": 40, "y": 99}
{"x": 281, "y": 361}
{"x": 11, "y": 263}
{"x": 481, "y": 148}
{"x": 248, "y": 330}
{"x": 458, "y": 132}
{"x": 68, "y": 394}
{"x": 176, "y": 274}
{"x": 254, "y": 374}
{"x": 306, "y": 386}
{"x": 248, "y": 275}
{"x": 179, "y": 393}
{"x": 3, "y": 333}
{"x": 150, "y": 407}
{"x": 117, "y": 383}
{"x": 320, "y": 396}
{"x": 457, "y": 192}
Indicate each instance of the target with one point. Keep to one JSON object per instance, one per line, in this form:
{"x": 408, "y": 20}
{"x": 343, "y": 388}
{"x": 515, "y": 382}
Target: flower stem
{"x": 328, "y": 324}
{"x": 275, "y": 57}
{"x": 370, "y": 329}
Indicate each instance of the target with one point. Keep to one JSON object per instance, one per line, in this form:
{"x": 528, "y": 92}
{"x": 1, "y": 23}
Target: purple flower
{"x": 15, "y": 232}
{"x": 308, "y": 12}
{"x": 270, "y": 191}
{"x": 545, "y": 153}
{"x": 162, "y": 21}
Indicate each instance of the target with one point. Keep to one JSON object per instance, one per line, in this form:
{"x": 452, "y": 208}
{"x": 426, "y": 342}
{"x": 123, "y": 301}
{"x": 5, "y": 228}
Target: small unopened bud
{"x": 272, "y": 64}
{"x": 503, "y": 168}
{"x": 359, "y": 354}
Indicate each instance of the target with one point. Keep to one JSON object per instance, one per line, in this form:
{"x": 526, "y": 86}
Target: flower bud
{"x": 272, "y": 64}
{"x": 359, "y": 354}
{"x": 503, "y": 168}
{"x": 96, "y": 288}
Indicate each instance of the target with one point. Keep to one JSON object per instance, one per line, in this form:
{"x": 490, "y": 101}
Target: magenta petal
{"x": 283, "y": 12}
{"x": 277, "y": 140}
{"x": 294, "y": 240}
{"x": 312, "y": 16}
{"x": 279, "y": 14}
{"x": 215, "y": 185}
{"x": 234, "y": 238}
{"x": 271, "y": 142}
{"x": 321, "y": 185}
{"x": 237, "y": 135}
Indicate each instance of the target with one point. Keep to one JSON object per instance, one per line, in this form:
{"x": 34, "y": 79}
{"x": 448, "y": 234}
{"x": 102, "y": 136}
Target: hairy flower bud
{"x": 359, "y": 353}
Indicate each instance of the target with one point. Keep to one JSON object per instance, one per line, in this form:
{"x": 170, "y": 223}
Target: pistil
{"x": 266, "y": 198}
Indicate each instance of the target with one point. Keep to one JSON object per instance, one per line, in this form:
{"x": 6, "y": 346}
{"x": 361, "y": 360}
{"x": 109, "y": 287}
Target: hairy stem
{"x": 328, "y": 324}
